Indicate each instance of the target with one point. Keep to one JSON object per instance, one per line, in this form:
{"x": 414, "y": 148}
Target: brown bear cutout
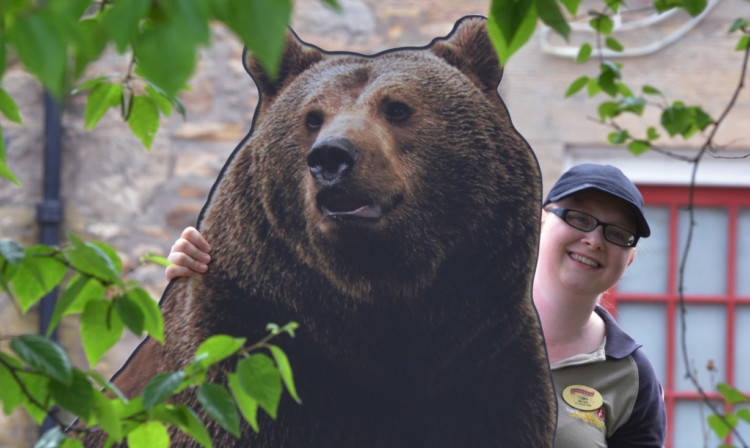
{"x": 387, "y": 204}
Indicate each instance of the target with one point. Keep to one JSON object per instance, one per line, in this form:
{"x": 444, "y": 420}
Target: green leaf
{"x": 719, "y": 427}
{"x": 87, "y": 40}
{"x": 130, "y": 312}
{"x": 744, "y": 414}
{"x": 738, "y": 24}
{"x": 11, "y": 251}
{"x": 618, "y": 138}
{"x": 74, "y": 289}
{"x": 571, "y": 6}
{"x": 217, "y": 348}
{"x": 153, "y": 322}
{"x": 219, "y": 405}
{"x": 110, "y": 387}
{"x": 122, "y": 21}
{"x": 3, "y": 54}
{"x": 5, "y": 172}
{"x": 285, "y": 369}
{"x": 676, "y": 119}
{"x": 52, "y": 438}
{"x": 185, "y": 419}
{"x": 624, "y": 90}
{"x": 157, "y": 92}
{"x": 38, "y": 387}
{"x": 731, "y": 394}
{"x": 606, "y": 79}
{"x": 262, "y": 25}
{"x": 584, "y": 53}
{"x": 650, "y": 90}
{"x": 601, "y": 23}
{"x": 551, "y": 15}
{"x": 609, "y": 109}
{"x": 150, "y": 258}
{"x": 101, "y": 328}
{"x": 165, "y": 58}
{"x": 107, "y": 416}
{"x": 92, "y": 83}
{"x": 700, "y": 118}
{"x": 652, "y": 134}
{"x": 77, "y": 397}
{"x": 613, "y": 44}
{"x": 10, "y": 394}
{"x": 593, "y": 87}
{"x": 510, "y": 25}
{"x": 744, "y": 43}
{"x": 144, "y": 119}
{"x": 150, "y": 434}
{"x": 694, "y": 8}
{"x": 93, "y": 289}
{"x": 161, "y": 387}
{"x": 260, "y": 379}
{"x": 40, "y": 45}
{"x": 637, "y": 147}
{"x": 91, "y": 260}
{"x": 633, "y": 104}
{"x": 192, "y": 17}
{"x": 43, "y": 355}
{"x": 102, "y": 96}
{"x": 38, "y": 273}
{"x": 162, "y": 102}
{"x": 247, "y": 404}
{"x": 8, "y": 107}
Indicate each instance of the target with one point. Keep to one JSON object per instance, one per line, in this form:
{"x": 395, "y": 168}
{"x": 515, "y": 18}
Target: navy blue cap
{"x": 605, "y": 178}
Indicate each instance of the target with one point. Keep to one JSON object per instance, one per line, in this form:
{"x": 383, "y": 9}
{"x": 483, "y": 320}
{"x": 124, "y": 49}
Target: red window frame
{"x": 675, "y": 198}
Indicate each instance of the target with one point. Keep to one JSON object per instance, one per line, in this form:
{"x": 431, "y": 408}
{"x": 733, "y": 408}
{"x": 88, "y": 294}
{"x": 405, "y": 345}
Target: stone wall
{"x": 138, "y": 201}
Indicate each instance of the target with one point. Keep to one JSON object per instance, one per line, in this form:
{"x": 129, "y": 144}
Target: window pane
{"x": 648, "y": 273}
{"x": 743, "y": 427}
{"x": 647, "y": 324}
{"x": 705, "y": 271}
{"x": 706, "y": 342}
{"x": 743, "y": 253}
{"x": 741, "y": 352}
{"x": 690, "y": 427}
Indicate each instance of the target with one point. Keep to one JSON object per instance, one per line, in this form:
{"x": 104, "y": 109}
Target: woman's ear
{"x": 632, "y": 256}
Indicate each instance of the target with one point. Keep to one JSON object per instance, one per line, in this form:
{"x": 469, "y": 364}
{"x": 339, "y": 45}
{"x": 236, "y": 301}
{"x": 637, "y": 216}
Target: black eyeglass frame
{"x": 562, "y": 212}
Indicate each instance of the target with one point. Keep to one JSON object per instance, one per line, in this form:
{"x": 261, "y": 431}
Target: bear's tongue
{"x": 343, "y": 206}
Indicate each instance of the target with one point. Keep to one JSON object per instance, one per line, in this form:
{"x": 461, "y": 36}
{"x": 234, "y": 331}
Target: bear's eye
{"x": 397, "y": 111}
{"x": 314, "y": 120}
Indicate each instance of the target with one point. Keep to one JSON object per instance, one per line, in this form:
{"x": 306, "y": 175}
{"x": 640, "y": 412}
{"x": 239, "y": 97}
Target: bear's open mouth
{"x": 339, "y": 205}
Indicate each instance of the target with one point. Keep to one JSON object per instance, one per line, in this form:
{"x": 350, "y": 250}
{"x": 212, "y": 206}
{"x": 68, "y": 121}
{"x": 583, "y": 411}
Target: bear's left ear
{"x": 469, "y": 49}
{"x": 297, "y": 57}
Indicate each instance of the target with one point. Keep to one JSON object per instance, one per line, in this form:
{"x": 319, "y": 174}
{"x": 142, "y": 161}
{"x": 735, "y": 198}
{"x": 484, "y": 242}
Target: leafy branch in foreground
{"x": 57, "y": 40}
{"x": 38, "y": 376}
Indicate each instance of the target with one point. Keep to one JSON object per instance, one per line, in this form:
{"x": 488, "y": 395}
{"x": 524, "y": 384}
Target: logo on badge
{"x": 582, "y": 397}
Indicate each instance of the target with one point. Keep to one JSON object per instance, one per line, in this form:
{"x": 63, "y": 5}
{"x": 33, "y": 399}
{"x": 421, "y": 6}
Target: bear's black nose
{"x": 331, "y": 158}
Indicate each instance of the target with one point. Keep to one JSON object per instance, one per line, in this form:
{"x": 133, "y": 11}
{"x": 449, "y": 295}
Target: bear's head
{"x": 377, "y": 170}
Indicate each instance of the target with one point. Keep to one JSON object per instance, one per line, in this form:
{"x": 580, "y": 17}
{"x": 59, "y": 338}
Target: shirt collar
{"x": 619, "y": 344}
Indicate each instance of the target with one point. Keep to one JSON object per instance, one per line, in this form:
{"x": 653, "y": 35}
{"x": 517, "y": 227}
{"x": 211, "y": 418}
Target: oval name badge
{"x": 582, "y": 397}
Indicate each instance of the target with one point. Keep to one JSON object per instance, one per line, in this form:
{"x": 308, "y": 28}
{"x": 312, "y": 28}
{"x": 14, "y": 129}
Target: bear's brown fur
{"x": 387, "y": 204}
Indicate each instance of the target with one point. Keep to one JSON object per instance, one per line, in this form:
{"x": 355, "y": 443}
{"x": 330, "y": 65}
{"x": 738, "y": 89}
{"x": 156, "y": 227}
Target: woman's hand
{"x": 189, "y": 255}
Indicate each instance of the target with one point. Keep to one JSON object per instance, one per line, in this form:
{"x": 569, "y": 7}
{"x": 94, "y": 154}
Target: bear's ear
{"x": 297, "y": 57}
{"x": 469, "y": 49}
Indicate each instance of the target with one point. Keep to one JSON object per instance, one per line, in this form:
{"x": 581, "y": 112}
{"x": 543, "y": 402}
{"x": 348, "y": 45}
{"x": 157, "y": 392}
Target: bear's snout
{"x": 330, "y": 159}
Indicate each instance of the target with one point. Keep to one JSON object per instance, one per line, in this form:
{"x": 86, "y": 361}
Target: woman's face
{"x": 584, "y": 262}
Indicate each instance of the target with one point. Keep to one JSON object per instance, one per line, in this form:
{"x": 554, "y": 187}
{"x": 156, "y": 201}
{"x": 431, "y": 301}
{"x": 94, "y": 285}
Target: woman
{"x": 608, "y": 394}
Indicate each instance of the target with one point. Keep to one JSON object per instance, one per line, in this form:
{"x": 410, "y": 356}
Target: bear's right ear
{"x": 297, "y": 57}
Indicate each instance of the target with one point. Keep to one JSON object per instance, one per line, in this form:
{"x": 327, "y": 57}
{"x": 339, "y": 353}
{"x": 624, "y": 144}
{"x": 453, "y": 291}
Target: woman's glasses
{"x": 585, "y": 222}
